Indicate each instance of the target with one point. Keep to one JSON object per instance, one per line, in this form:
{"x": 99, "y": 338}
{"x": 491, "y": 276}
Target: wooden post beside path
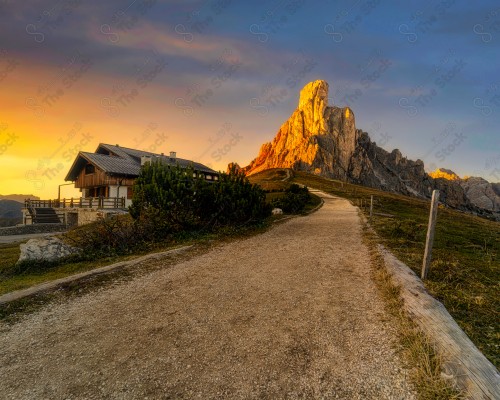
{"x": 371, "y": 207}
{"x": 430, "y": 234}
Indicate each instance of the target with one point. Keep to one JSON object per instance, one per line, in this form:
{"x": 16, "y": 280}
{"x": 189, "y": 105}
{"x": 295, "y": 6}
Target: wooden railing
{"x": 81, "y": 202}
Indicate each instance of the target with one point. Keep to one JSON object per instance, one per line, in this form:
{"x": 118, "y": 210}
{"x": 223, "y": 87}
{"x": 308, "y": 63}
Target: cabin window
{"x": 89, "y": 169}
{"x": 130, "y": 192}
{"x": 208, "y": 177}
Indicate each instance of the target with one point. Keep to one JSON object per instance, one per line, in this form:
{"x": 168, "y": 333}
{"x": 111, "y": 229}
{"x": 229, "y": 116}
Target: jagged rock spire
{"x": 312, "y": 103}
{"x": 316, "y": 138}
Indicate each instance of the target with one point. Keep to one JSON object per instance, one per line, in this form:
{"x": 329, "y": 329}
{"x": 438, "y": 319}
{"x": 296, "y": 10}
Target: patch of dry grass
{"x": 417, "y": 350}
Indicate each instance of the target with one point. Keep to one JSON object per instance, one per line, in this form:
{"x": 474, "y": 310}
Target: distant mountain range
{"x": 11, "y": 206}
{"x": 10, "y": 212}
{"x": 18, "y": 197}
{"x": 323, "y": 140}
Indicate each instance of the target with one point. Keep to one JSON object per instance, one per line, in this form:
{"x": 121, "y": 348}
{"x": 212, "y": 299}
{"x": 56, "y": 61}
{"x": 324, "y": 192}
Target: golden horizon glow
{"x": 49, "y": 132}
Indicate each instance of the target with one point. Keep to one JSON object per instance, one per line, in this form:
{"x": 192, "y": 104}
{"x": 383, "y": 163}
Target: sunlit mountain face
{"x": 445, "y": 174}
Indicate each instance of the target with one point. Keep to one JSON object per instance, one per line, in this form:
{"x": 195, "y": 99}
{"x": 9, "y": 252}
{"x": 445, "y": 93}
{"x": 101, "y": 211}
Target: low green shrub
{"x": 294, "y": 200}
{"x": 108, "y": 236}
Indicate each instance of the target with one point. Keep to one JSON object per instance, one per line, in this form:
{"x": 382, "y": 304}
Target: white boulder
{"x": 46, "y": 249}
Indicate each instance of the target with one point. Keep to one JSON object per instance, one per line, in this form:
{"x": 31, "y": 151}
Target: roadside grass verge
{"x": 9, "y": 254}
{"x": 465, "y": 270}
{"x": 416, "y": 348}
{"x": 13, "y": 278}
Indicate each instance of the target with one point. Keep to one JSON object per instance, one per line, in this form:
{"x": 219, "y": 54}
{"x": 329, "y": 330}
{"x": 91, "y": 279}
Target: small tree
{"x": 172, "y": 199}
{"x": 233, "y": 200}
{"x": 168, "y": 197}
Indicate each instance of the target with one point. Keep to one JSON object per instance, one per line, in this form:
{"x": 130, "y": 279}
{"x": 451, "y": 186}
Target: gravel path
{"x": 291, "y": 313}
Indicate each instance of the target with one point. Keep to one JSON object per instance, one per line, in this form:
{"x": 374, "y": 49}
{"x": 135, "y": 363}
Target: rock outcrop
{"x": 478, "y": 192}
{"x": 496, "y": 188}
{"x": 47, "y": 249}
{"x": 481, "y": 193}
{"x": 323, "y": 139}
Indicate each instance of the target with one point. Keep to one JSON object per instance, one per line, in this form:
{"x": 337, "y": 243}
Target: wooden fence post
{"x": 371, "y": 207}
{"x": 430, "y": 233}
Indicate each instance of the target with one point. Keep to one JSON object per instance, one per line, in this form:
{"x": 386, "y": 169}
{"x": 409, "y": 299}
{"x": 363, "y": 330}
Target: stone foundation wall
{"x": 88, "y": 215}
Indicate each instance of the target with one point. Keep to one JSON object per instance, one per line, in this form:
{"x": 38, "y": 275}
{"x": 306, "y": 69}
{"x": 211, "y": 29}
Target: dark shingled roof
{"x": 114, "y": 165}
{"x": 124, "y": 161}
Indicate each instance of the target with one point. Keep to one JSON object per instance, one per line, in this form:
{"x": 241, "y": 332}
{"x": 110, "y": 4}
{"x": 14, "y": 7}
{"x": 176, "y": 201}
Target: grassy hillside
{"x": 465, "y": 271}
{"x": 18, "y": 197}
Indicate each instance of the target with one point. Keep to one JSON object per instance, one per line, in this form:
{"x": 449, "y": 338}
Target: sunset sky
{"x": 215, "y": 79}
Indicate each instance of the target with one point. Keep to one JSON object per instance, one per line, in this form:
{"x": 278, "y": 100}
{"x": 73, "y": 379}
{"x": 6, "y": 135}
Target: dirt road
{"x": 291, "y": 313}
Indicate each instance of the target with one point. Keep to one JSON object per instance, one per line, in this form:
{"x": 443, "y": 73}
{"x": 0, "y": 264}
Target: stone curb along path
{"x": 43, "y": 287}
{"x": 472, "y": 371}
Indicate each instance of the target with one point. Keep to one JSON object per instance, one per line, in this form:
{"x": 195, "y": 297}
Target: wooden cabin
{"x": 105, "y": 178}
{"x": 110, "y": 171}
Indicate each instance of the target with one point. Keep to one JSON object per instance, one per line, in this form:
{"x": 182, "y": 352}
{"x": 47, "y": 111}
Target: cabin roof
{"x": 117, "y": 160}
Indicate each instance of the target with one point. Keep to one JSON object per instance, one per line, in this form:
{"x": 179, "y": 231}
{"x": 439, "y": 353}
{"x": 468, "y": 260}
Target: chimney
{"x": 173, "y": 155}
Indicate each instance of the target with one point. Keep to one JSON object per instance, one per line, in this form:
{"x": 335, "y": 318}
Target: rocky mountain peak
{"x": 313, "y": 101}
{"x": 316, "y": 91}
